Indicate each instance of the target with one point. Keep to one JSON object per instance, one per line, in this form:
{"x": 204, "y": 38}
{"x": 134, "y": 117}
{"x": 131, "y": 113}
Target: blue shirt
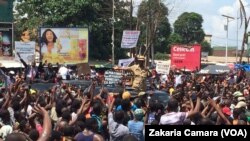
{"x": 136, "y": 128}
{"x": 133, "y": 107}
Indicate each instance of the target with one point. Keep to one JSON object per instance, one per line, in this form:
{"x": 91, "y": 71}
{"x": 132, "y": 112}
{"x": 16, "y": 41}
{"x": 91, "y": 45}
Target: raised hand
{"x": 39, "y": 110}
{"x": 211, "y": 102}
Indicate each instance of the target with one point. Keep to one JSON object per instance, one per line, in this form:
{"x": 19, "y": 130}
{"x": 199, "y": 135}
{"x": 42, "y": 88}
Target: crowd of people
{"x": 69, "y": 113}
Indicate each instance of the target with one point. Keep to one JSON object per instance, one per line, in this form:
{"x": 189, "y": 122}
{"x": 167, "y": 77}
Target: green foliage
{"x": 174, "y": 38}
{"x": 33, "y": 14}
{"x": 189, "y": 27}
{"x": 162, "y": 35}
{"x": 93, "y": 14}
{"x": 161, "y": 56}
{"x": 206, "y": 47}
{"x": 153, "y": 24}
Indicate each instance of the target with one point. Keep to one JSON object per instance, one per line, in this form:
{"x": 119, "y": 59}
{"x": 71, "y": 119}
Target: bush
{"x": 161, "y": 56}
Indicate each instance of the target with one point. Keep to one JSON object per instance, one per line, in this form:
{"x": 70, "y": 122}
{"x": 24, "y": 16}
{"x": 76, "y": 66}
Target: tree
{"x": 123, "y": 21}
{"x": 174, "y": 38}
{"x": 206, "y": 47}
{"x": 152, "y": 16}
{"x": 162, "y": 34}
{"x": 189, "y": 27}
{"x": 244, "y": 20}
{"x": 96, "y": 15}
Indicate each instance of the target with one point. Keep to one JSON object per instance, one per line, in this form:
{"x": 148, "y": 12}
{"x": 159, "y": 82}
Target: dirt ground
{"x": 216, "y": 59}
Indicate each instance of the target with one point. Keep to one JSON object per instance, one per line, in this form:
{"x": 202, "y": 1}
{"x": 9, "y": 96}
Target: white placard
{"x": 162, "y": 67}
{"x": 129, "y": 38}
{"x": 125, "y": 62}
{"x": 26, "y": 51}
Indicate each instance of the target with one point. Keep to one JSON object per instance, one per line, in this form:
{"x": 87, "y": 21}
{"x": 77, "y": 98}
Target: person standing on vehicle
{"x": 140, "y": 74}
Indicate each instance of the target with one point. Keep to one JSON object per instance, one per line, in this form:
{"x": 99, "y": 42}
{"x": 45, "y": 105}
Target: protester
{"x": 30, "y": 70}
{"x": 69, "y": 112}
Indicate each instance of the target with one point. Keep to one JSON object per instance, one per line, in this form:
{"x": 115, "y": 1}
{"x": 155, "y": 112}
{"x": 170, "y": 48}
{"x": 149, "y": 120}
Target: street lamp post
{"x": 228, "y": 17}
{"x": 237, "y": 34}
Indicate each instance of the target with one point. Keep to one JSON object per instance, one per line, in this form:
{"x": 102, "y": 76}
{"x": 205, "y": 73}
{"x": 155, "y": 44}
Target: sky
{"x": 214, "y": 22}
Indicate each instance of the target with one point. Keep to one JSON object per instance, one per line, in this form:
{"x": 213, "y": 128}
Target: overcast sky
{"x": 211, "y": 11}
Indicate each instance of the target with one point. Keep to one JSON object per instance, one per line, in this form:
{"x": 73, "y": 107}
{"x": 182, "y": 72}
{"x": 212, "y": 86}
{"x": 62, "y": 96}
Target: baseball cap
{"x": 139, "y": 113}
{"x": 126, "y": 95}
{"x": 32, "y": 91}
{"x": 237, "y": 94}
{"x": 241, "y": 104}
{"x": 241, "y": 99}
{"x": 226, "y": 111}
{"x": 171, "y": 90}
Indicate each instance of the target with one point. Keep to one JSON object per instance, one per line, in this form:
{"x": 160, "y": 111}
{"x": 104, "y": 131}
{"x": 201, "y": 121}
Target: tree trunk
{"x": 243, "y": 45}
{"x": 242, "y": 49}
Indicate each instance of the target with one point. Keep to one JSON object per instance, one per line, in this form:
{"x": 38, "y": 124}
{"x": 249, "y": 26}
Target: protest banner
{"x": 129, "y": 38}
{"x": 112, "y": 78}
{"x": 125, "y": 62}
{"x": 162, "y": 67}
{"x": 64, "y": 45}
{"x": 186, "y": 56}
{"x": 26, "y": 51}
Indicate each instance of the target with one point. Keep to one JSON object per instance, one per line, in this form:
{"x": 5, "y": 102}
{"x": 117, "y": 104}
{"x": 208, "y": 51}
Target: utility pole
{"x": 237, "y": 34}
{"x": 248, "y": 44}
{"x": 130, "y": 25}
{"x": 113, "y": 33}
{"x": 131, "y": 14}
{"x": 228, "y": 17}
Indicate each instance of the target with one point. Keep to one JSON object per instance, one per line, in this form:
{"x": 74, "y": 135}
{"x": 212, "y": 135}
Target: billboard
{"x": 186, "y": 56}
{"x": 64, "y": 45}
{"x": 5, "y": 41}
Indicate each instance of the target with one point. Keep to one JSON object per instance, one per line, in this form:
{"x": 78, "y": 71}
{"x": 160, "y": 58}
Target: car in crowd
{"x": 159, "y": 96}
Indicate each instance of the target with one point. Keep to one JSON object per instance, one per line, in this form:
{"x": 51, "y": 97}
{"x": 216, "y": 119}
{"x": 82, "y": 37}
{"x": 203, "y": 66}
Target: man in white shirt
{"x": 63, "y": 71}
{"x": 174, "y": 117}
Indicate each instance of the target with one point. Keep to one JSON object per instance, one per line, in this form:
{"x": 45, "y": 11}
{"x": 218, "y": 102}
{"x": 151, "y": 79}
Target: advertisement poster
{"x": 184, "y": 56}
{"x": 26, "y": 51}
{"x": 64, "y": 45}
{"x": 5, "y": 42}
{"x": 162, "y": 67}
{"x": 129, "y": 39}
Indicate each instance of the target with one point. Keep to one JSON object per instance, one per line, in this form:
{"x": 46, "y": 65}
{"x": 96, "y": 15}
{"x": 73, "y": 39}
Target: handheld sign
{"x": 112, "y": 78}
